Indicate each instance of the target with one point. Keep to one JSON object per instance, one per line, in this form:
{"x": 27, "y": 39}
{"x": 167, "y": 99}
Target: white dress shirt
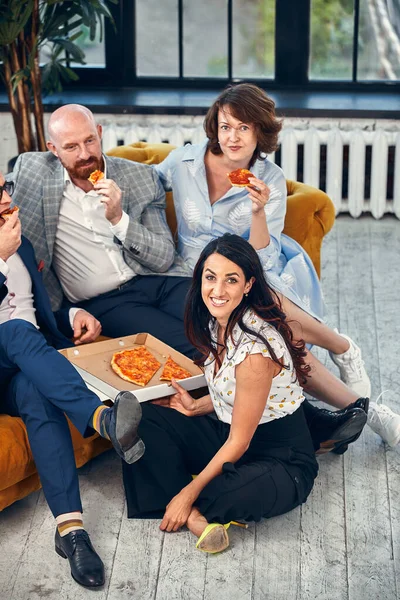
{"x": 18, "y": 304}
{"x": 87, "y": 260}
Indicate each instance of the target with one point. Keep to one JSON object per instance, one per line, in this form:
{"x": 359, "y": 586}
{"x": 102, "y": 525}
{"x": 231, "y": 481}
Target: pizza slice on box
{"x": 240, "y": 177}
{"x": 137, "y": 365}
{"x": 172, "y": 370}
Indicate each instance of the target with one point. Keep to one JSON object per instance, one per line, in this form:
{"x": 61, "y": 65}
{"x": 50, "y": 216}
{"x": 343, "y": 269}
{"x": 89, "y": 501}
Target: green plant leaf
{"x": 14, "y": 18}
{"x": 76, "y": 53}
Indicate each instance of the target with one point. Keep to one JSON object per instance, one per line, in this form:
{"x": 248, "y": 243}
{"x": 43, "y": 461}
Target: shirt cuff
{"x": 120, "y": 230}
{"x": 266, "y": 255}
{"x": 4, "y": 268}
{"x": 72, "y": 313}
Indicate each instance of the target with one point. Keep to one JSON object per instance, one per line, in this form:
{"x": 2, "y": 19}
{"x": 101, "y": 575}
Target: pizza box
{"x": 93, "y": 362}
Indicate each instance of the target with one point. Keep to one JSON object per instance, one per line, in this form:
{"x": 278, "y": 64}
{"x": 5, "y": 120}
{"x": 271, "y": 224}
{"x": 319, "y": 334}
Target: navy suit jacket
{"x": 48, "y": 322}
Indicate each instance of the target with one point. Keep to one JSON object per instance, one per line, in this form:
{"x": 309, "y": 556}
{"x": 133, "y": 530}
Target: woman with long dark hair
{"x": 241, "y": 130}
{"x": 256, "y": 459}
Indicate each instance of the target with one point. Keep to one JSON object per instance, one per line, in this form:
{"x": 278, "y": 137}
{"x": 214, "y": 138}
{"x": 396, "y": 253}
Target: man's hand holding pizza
{"x": 10, "y": 236}
{"x": 86, "y": 328}
{"x": 111, "y": 198}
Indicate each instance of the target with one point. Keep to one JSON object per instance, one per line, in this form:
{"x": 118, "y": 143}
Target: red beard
{"x": 82, "y": 169}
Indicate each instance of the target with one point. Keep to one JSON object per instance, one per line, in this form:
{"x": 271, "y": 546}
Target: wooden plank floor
{"x": 343, "y": 544}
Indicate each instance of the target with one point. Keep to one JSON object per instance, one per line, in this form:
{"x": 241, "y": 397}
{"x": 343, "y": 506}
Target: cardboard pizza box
{"x": 93, "y": 362}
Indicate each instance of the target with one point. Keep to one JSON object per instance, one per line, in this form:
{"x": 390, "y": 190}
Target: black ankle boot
{"x": 333, "y": 431}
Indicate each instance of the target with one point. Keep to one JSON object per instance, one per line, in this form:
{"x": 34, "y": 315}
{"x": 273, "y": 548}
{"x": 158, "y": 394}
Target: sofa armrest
{"x": 310, "y": 215}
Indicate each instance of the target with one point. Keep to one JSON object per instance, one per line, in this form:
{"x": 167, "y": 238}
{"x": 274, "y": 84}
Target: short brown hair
{"x": 250, "y": 104}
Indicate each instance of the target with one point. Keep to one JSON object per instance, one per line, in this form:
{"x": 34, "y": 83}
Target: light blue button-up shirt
{"x": 286, "y": 265}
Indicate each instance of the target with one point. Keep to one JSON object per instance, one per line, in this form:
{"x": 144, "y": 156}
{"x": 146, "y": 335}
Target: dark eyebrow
{"x": 226, "y": 123}
{"x": 226, "y": 274}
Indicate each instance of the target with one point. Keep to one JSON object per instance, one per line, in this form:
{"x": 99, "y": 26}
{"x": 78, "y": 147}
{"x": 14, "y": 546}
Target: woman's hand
{"x": 182, "y": 401}
{"x": 177, "y": 511}
{"x": 258, "y": 194}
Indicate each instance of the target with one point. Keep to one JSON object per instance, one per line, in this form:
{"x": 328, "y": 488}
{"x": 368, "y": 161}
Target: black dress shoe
{"x": 333, "y": 431}
{"x": 86, "y": 565}
{"x": 362, "y": 403}
{"x": 122, "y": 426}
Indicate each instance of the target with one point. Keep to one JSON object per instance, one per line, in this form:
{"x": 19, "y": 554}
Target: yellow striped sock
{"x": 68, "y": 522}
{"x": 98, "y": 421}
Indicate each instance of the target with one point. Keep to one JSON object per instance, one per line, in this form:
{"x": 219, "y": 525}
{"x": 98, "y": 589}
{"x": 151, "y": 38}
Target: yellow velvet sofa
{"x": 310, "y": 215}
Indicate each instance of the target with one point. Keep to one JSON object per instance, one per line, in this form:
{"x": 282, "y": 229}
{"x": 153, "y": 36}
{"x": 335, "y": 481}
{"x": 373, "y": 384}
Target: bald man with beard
{"x": 106, "y": 247}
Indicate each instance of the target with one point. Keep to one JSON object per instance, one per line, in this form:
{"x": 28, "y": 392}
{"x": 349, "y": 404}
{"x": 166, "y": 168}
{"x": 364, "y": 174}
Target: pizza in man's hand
{"x": 96, "y": 176}
{"x": 7, "y": 213}
{"x": 172, "y": 370}
{"x": 240, "y": 177}
{"x": 137, "y": 365}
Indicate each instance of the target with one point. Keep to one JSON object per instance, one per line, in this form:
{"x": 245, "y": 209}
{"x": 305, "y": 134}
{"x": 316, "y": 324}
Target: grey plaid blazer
{"x": 148, "y": 249}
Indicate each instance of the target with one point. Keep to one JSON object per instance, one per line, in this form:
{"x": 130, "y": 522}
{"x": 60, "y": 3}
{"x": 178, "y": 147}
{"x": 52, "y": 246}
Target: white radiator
{"x": 356, "y": 162}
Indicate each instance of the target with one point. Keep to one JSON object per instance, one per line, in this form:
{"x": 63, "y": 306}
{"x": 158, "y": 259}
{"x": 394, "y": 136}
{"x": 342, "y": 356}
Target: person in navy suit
{"x": 38, "y": 384}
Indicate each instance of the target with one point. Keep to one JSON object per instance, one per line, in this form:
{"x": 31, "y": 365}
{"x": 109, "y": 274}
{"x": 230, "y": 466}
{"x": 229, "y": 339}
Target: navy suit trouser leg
{"x": 50, "y": 442}
{"x": 41, "y": 386}
{"x": 146, "y": 304}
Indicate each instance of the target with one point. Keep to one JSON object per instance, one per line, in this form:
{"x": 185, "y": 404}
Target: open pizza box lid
{"x": 93, "y": 362}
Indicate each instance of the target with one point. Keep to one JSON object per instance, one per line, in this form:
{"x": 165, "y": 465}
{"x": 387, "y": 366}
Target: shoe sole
{"x": 128, "y": 417}
{"x": 214, "y": 542}
{"x": 344, "y": 435}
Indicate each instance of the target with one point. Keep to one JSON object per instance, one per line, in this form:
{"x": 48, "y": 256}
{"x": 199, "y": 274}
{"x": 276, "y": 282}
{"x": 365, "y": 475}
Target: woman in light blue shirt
{"x": 242, "y": 128}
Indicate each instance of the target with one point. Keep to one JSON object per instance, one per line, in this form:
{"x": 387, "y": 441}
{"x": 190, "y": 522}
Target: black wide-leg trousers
{"x": 275, "y": 475}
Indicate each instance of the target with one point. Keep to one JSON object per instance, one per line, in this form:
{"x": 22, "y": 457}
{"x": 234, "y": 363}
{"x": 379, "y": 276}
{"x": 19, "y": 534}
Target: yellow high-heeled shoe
{"x": 215, "y": 537}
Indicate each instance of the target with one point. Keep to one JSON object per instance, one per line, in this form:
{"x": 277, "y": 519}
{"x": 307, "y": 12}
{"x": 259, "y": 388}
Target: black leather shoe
{"x": 333, "y": 431}
{"x": 122, "y": 426}
{"x": 362, "y": 403}
{"x": 86, "y": 565}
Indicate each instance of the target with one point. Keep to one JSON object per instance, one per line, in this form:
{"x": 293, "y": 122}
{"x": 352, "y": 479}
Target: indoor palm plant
{"x": 49, "y": 28}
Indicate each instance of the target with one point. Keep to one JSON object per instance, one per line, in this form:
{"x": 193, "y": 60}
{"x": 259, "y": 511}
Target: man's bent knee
{"x": 16, "y": 327}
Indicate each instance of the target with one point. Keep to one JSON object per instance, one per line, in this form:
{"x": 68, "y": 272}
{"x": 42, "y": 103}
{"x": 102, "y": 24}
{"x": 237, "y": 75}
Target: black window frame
{"x": 291, "y": 60}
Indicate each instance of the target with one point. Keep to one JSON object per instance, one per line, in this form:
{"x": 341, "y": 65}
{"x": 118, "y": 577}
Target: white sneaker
{"x": 352, "y": 370}
{"x": 385, "y": 423}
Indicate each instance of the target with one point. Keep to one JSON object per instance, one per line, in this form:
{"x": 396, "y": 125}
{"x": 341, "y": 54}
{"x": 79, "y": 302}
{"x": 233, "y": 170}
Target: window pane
{"x": 157, "y": 38}
{"x": 94, "y": 50}
{"x": 379, "y": 40}
{"x": 253, "y": 38}
{"x": 331, "y": 52}
{"x": 205, "y": 38}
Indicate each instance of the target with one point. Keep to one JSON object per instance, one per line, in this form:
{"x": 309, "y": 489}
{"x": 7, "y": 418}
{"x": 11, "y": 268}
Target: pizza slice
{"x": 96, "y": 176}
{"x": 7, "y": 213}
{"x": 172, "y": 370}
{"x": 137, "y": 365}
{"x": 240, "y": 177}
